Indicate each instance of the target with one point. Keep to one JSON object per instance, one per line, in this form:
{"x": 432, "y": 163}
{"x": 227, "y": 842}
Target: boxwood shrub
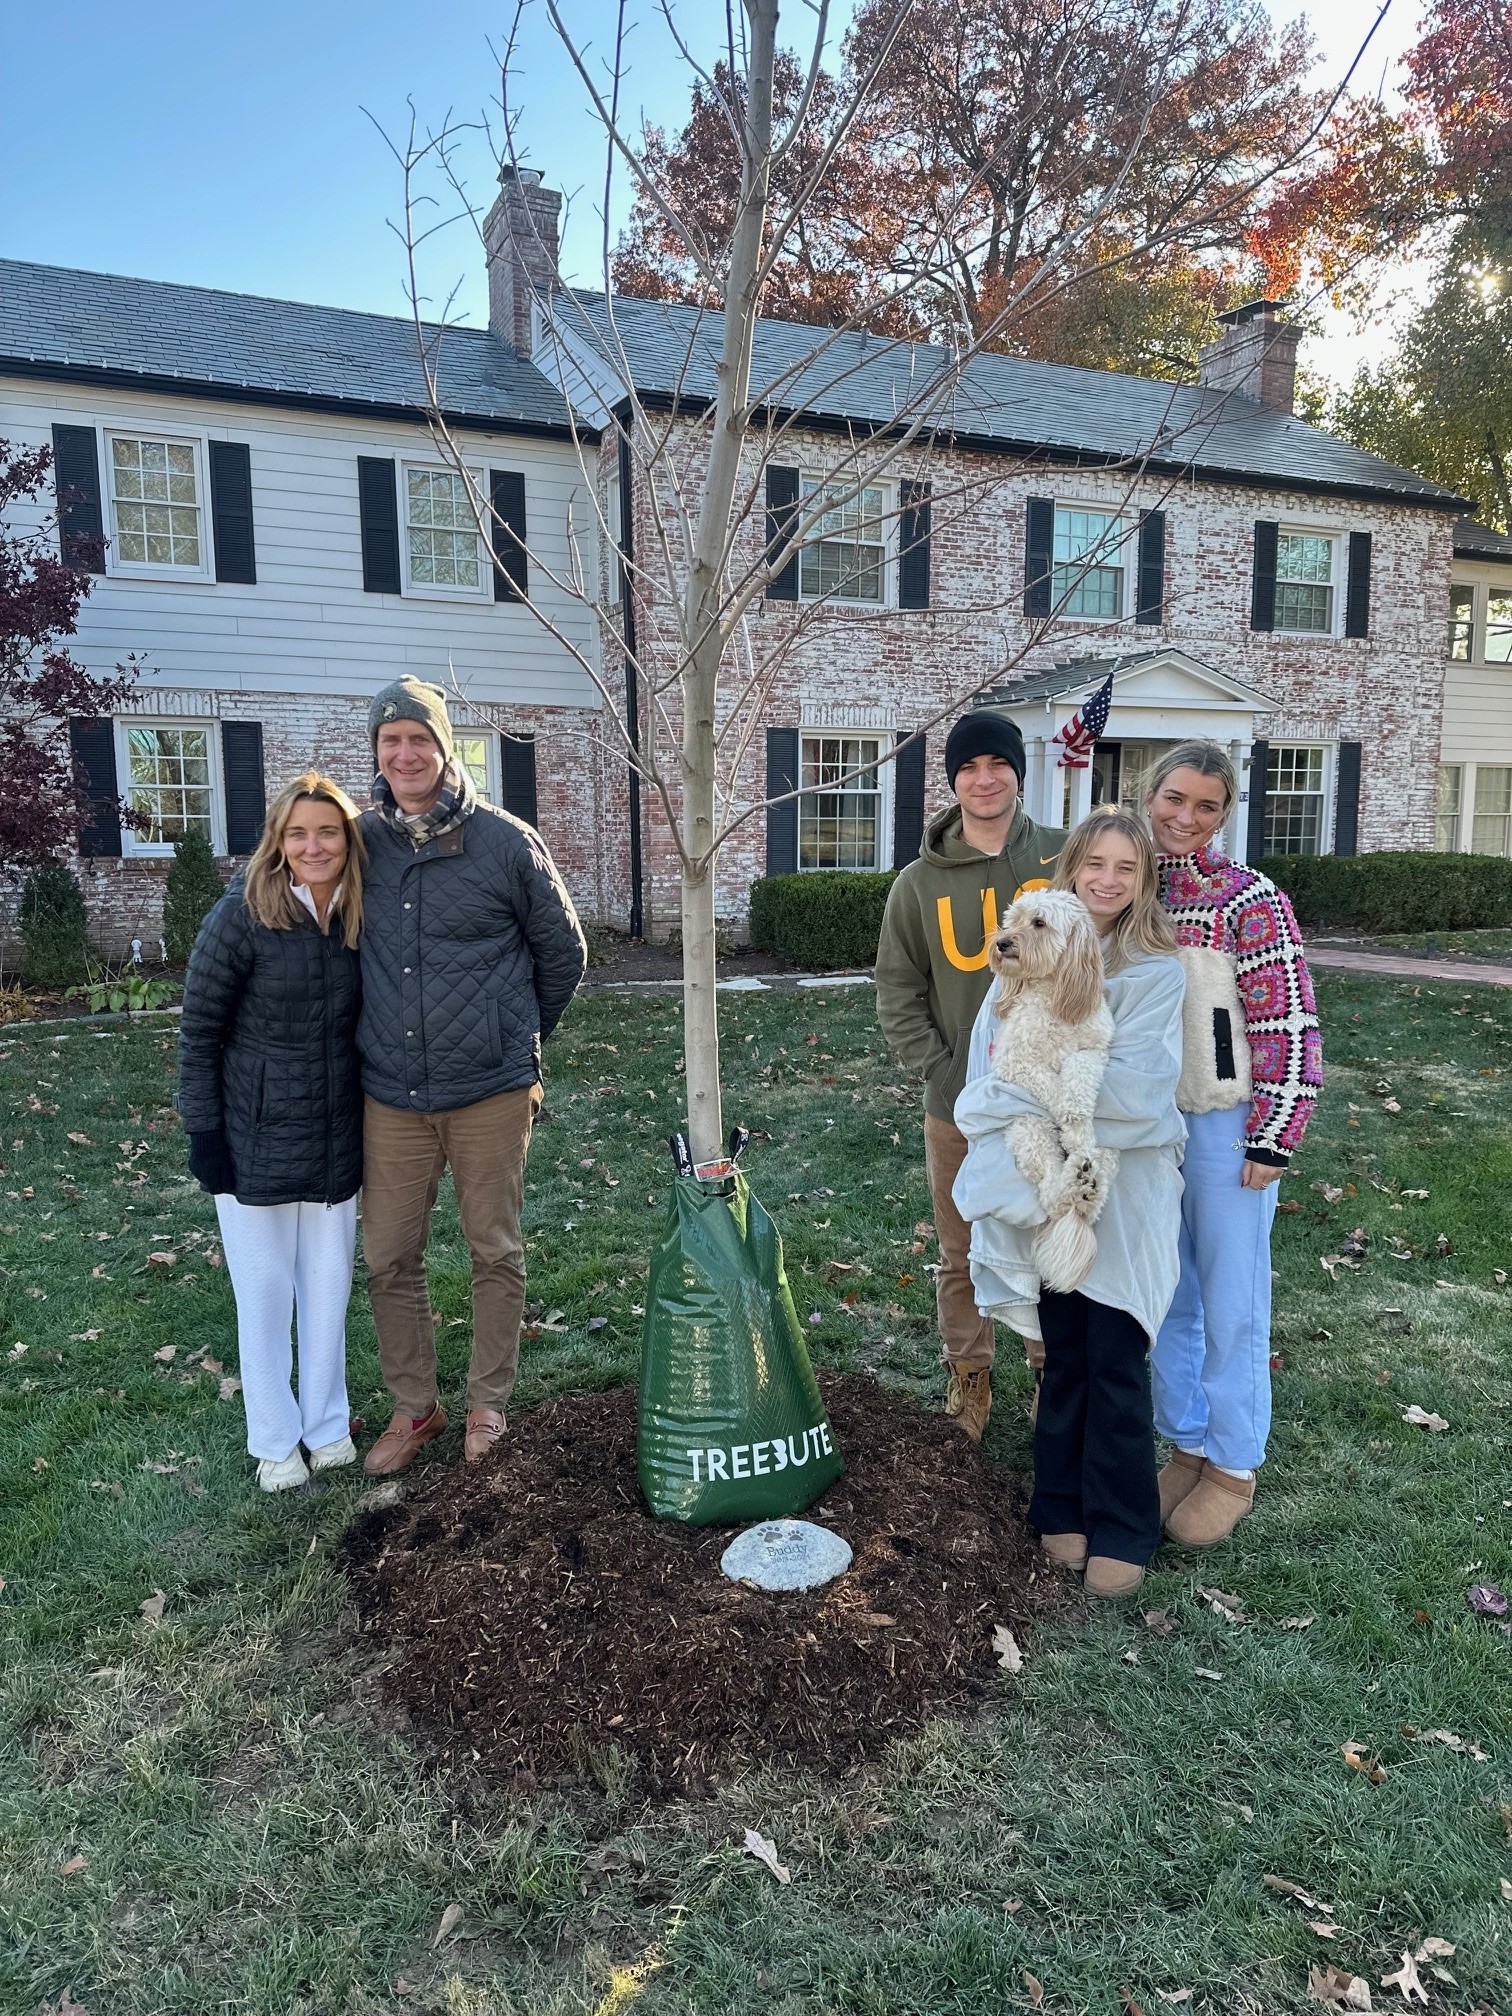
{"x": 1396, "y": 892}
{"x": 826, "y": 921}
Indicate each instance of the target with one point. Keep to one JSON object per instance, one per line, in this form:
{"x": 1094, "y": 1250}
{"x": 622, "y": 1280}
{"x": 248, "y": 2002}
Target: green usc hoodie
{"x": 932, "y": 970}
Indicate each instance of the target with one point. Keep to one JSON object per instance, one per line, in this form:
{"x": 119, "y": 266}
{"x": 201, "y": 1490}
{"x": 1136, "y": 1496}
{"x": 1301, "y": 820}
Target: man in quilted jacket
{"x": 471, "y": 951}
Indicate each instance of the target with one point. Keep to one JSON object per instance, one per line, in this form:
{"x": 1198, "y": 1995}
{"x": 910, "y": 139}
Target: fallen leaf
{"x": 73, "y": 1865}
{"x": 1434, "y": 1949}
{"x": 1224, "y": 1604}
{"x": 162, "y": 1259}
{"x": 403, "y": 1987}
{"x": 1506, "y": 1890}
{"x": 1368, "y": 1767}
{"x": 1159, "y": 1623}
{"x": 81, "y": 1141}
{"x": 451, "y": 1918}
{"x": 765, "y": 1852}
{"x": 1298, "y": 1623}
{"x": 152, "y": 1606}
{"x": 1406, "y": 1978}
{"x": 877, "y": 1620}
{"x": 166, "y": 1356}
{"x": 1484, "y": 1597}
{"x": 1127, "y": 2003}
{"x": 211, "y": 1364}
{"x": 1449, "y": 1740}
{"x": 1391, "y": 1106}
{"x": 1294, "y": 1890}
{"x": 40, "y": 1463}
{"x": 64, "y": 2006}
{"x": 1323, "y": 1930}
{"x": 1005, "y": 1645}
{"x": 1207, "y": 1673}
{"x": 1034, "y": 1989}
{"x": 598, "y": 1322}
{"x": 1418, "y": 1417}
{"x": 229, "y": 1388}
{"x": 1338, "y": 1986}
{"x": 1174, "y": 1994}
{"x": 1131, "y": 1657}
{"x": 1329, "y": 1192}
{"x": 84, "y": 1336}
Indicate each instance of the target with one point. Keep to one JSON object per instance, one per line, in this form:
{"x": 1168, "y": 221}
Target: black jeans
{"x": 1094, "y": 1439}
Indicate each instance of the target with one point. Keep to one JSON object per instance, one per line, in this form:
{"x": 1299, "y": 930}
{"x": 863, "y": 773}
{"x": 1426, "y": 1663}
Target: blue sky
{"x": 233, "y": 147}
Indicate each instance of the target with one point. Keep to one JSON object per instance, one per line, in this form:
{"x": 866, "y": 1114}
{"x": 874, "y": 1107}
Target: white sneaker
{"x": 331, "y": 1455}
{"x": 287, "y": 1475}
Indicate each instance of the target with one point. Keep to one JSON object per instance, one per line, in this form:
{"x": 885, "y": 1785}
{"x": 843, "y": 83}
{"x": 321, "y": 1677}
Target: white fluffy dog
{"x": 1053, "y": 1044}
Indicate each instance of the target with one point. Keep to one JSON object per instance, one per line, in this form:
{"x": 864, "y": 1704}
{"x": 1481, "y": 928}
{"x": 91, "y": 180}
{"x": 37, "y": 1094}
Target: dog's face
{"x": 1048, "y": 936}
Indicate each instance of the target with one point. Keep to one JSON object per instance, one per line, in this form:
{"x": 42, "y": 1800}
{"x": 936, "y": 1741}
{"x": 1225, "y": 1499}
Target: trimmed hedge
{"x": 823, "y": 921}
{"x": 1396, "y": 892}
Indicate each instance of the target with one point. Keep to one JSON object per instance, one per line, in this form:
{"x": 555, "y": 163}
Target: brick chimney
{"x": 1256, "y": 355}
{"x": 521, "y": 244}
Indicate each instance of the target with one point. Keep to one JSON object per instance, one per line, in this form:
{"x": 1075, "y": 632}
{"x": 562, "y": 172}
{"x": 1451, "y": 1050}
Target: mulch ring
{"x": 535, "y": 1612}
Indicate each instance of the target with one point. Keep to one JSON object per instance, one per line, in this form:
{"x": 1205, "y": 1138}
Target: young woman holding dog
{"x": 1251, "y": 1074}
{"x": 270, "y": 1095}
{"x": 1096, "y": 1499}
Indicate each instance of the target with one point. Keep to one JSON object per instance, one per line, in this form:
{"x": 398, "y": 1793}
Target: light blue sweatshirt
{"x": 1137, "y": 1263}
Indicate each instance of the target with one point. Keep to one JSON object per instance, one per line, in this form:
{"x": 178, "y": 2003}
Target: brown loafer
{"x": 1066, "y": 1550}
{"x": 402, "y": 1440}
{"x": 1178, "y": 1478}
{"x": 1109, "y": 1577}
{"x": 484, "y": 1427}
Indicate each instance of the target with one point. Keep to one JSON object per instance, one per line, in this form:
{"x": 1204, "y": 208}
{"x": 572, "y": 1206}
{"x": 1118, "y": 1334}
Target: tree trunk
{"x": 701, "y": 1018}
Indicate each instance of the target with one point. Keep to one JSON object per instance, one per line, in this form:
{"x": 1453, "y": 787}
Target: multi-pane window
{"x": 168, "y": 782}
{"x": 1491, "y": 827}
{"x": 1294, "y": 801}
{"x": 1498, "y": 628}
{"x": 1088, "y": 576}
{"x": 1451, "y": 780}
{"x": 845, "y": 556}
{"x": 1461, "y": 622}
{"x": 154, "y": 490}
{"x": 1305, "y": 582}
{"x": 441, "y": 531}
{"x": 477, "y": 753}
{"x": 840, "y": 810}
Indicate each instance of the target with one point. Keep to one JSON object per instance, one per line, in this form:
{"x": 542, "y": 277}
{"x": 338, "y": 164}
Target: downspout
{"x": 632, "y": 680}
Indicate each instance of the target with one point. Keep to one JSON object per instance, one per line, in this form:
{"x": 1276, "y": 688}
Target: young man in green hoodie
{"x": 932, "y": 974}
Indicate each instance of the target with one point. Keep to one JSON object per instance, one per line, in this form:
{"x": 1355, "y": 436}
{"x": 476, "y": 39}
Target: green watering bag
{"x": 731, "y": 1425}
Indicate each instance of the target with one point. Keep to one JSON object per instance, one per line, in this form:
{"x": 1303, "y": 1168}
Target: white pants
{"x": 283, "y": 1259}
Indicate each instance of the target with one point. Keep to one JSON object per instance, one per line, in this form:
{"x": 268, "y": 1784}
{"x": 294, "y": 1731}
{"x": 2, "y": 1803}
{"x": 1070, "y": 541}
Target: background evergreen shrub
{"x": 825, "y": 921}
{"x": 194, "y": 889}
{"x": 56, "y": 951}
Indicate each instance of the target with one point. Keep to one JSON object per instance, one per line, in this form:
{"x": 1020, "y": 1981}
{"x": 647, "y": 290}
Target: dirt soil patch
{"x": 535, "y": 1612}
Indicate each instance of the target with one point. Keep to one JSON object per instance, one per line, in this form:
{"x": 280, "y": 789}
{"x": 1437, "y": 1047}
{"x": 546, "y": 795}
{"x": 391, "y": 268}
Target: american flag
{"x": 1082, "y": 730}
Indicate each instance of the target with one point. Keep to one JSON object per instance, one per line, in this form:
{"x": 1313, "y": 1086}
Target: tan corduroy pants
{"x": 485, "y": 1147}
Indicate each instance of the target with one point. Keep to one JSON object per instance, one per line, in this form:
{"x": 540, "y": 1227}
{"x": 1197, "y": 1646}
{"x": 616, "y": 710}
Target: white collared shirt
{"x": 303, "y": 895}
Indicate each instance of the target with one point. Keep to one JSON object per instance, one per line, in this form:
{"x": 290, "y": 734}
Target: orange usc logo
{"x": 973, "y": 962}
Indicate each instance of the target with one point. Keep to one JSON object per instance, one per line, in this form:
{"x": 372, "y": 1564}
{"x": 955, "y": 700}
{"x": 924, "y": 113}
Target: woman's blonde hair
{"x": 269, "y": 895}
{"x": 1143, "y": 928}
{"x": 1207, "y": 759}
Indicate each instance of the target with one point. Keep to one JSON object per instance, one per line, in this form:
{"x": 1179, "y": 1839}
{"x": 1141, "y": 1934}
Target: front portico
{"x": 1160, "y": 698}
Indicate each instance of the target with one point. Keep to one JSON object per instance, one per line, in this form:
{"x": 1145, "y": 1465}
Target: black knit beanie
{"x": 983, "y": 732}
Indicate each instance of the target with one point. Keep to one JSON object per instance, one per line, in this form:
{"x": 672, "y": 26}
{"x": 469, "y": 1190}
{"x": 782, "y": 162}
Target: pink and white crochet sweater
{"x": 1219, "y": 906}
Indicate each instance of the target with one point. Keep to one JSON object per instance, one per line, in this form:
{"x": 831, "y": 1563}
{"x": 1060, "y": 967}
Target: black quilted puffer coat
{"x": 471, "y": 950}
{"x": 268, "y": 1052}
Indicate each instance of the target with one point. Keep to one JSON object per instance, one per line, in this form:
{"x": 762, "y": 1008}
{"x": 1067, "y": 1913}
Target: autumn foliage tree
{"x": 41, "y": 685}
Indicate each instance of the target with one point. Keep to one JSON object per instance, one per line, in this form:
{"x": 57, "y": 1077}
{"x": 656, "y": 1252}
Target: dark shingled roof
{"x": 1006, "y": 403}
{"x": 58, "y": 322}
{"x": 1479, "y": 542}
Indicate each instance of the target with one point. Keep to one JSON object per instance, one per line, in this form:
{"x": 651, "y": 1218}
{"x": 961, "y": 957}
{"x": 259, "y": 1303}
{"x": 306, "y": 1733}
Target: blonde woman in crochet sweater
{"x": 1252, "y": 1068}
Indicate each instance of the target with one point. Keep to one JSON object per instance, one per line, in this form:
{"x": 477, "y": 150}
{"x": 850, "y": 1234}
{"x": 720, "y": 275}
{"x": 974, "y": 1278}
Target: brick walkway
{"x": 1401, "y": 965}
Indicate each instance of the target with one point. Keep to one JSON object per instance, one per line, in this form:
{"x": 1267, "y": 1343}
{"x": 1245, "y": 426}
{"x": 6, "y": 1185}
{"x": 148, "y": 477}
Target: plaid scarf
{"x": 458, "y": 801}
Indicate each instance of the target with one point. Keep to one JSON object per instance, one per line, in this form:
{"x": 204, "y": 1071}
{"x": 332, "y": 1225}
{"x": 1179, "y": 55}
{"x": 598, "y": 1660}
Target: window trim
{"x": 1469, "y": 812}
{"x": 885, "y": 738}
{"x": 133, "y": 845}
{"x": 431, "y": 591}
{"x": 198, "y": 439}
{"x": 1338, "y": 582}
{"x": 493, "y": 763}
{"x": 890, "y": 516}
{"x": 1128, "y": 549}
{"x": 1456, "y": 843}
{"x": 1328, "y": 789}
{"x": 1480, "y": 589}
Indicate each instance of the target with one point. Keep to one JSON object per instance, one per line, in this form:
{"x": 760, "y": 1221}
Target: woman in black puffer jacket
{"x": 270, "y": 1094}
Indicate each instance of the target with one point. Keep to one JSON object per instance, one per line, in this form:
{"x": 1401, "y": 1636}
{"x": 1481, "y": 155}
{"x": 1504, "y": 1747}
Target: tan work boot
{"x": 1210, "y": 1513}
{"x": 968, "y": 1398}
{"x": 484, "y": 1427}
{"x": 1066, "y": 1550}
{"x": 1107, "y": 1577}
{"x": 1177, "y": 1479}
{"x": 402, "y": 1440}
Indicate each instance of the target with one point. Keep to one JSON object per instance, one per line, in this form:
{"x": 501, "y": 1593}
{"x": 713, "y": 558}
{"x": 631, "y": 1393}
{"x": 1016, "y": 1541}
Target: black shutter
{"x": 81, "y": 524}
{"x": 782, "y": 820}
{"x": 94, "y": 764}
{"x": 1347, "y": 797}
{"x": 506, "y": 492}
{"x": 1263, "y": 582}
{"x": 913, "y": 543}
{"x": 1357, "y": 596}
{"x": 781, "y": 516}
{"x": 242, "y": 763}
{"x": 1150, "y": 595}
{"x": 1039, "y": 555}
{"x": 1259, "y": 770}
{"x": 908, "y": 798}
{"x": 231, "y": 511}
{"x": 378, "y": 507}
{"x": 518, "y": 758}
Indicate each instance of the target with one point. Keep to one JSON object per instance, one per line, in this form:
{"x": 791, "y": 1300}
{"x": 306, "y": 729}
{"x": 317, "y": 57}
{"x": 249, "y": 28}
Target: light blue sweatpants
{"x": 1211, "y": 1362}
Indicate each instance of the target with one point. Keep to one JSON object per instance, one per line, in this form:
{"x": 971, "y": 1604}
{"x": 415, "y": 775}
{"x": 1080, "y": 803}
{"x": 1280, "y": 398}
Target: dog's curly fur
{"x": 1053, "y": 1043}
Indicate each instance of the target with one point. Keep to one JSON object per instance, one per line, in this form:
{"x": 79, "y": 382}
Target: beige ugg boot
{"x": 1211, "y": 1511}
{"x": 1066, "y": 1550}
{"x": 1177, "y": 1479}
{"x": 1108, "y": 1577}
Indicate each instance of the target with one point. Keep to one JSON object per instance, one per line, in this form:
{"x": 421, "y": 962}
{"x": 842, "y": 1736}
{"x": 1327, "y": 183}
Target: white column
{"x": 1036, "y": 788}
{"x": 1081, "y": 794}
{"x": 1467, "y": 808}
{"x": 1238, "y": 826}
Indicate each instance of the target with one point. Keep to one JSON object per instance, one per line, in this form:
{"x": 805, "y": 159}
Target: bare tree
{"x": 695, "y": 458}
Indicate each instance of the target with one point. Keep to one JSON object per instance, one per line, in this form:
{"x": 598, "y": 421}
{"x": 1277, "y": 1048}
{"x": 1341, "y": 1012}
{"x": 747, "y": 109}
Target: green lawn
{"x": 1492, "y": 945}
{"x": 216, "y": 1812}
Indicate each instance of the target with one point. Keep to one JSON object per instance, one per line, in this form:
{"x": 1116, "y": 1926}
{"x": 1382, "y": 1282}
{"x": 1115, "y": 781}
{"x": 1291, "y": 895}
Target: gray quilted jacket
{"x": 471, "y": 950}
